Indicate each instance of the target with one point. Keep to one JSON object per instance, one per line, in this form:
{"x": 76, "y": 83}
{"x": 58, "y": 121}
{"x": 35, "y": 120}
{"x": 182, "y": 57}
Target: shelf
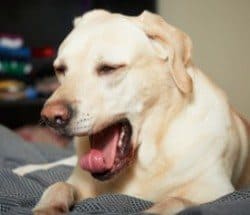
{"x": 22, "y": 102}
{"x": 14, "y": 114}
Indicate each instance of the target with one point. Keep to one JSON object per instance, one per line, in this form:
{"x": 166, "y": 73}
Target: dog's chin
{"x": 111, "y": 150}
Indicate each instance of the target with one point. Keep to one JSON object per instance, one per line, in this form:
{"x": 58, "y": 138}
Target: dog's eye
{"x": 60, "y": 70}
{"x": 106, "y": 68}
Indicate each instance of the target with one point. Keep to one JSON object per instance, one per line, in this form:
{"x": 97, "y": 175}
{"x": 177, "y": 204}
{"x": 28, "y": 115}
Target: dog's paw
{"x": 170, "y": 206}
{"x": 51, "y": 210}
{"x": 56, "y": 200}
{"x": 158, "y": 210}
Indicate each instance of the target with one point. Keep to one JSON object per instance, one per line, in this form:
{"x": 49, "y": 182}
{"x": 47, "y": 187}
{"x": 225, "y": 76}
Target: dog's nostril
{"x": 59, "y": 121}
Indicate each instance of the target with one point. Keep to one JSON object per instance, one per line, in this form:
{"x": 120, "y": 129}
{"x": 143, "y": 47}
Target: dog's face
{"x": 111, "y": 73}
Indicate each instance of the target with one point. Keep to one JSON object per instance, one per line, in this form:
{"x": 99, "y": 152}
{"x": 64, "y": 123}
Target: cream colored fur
{"x": 192, "y": 147}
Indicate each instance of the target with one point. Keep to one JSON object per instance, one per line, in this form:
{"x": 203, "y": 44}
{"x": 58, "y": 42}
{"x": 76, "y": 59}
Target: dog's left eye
{"x": 106, "y": 68}
{"x": 60, "y": 70}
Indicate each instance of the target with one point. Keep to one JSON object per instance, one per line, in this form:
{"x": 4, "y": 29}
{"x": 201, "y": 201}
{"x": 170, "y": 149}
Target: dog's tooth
{"x": 120, "y": 143}
{"x": 122, "y": 134}
{"x": 121, "y": 137}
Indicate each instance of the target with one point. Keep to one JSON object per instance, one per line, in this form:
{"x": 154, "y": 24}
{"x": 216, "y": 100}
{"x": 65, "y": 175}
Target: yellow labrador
{"x": 146, "y": 121}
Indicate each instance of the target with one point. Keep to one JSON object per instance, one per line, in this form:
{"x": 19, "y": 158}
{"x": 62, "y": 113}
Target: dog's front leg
{"x": 170, "y": 206}
{"x": 57, "y": 199}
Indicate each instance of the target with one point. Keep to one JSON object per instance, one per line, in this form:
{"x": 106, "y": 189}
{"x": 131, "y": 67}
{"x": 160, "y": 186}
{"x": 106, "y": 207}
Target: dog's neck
{"x": 155, "y": 125}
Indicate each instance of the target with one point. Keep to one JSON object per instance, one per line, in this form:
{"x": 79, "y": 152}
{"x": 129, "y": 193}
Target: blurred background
{"x": 220, "y": 32}
{"x": 30, "y": 32}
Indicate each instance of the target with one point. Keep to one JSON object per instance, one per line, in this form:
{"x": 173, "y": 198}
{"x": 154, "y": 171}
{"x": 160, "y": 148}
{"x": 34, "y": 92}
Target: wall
{"x": 220, "y": 30}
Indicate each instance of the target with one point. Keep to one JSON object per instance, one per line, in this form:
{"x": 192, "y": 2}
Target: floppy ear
{"x": 170, "y": 44}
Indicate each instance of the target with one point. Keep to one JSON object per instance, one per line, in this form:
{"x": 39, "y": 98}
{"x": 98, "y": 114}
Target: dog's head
{"x": 113, "y": 70}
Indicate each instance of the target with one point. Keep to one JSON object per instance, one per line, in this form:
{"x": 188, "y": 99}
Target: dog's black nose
{"x": 56, "y": 114}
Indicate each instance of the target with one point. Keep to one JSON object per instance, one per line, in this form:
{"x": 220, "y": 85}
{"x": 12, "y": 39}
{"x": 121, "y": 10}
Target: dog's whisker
{"x": 42, "y": 122}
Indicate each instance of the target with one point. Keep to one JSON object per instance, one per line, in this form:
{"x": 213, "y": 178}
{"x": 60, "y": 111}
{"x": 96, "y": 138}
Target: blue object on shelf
{"x": 19, "y": 53}
{"x": 31, "y": 93}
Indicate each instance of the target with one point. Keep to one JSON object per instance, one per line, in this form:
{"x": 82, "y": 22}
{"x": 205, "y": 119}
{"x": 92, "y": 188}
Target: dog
{"x": 146, "y": 121}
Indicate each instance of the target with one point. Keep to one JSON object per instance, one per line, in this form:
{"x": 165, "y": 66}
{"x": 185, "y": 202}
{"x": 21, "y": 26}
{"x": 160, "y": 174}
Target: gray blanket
{"x": 18, "y": 195}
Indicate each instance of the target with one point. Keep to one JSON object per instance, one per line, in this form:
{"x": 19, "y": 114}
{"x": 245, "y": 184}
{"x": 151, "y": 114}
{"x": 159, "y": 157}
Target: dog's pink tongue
{"x": 94, "y": 161}
{"x": 101, "y": 156}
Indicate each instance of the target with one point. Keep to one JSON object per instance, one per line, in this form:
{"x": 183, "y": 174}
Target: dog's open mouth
{"x": 110, "y": 151}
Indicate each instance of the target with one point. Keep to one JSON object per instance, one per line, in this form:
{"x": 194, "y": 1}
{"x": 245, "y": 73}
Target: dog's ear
{"x": 171, "y": 44}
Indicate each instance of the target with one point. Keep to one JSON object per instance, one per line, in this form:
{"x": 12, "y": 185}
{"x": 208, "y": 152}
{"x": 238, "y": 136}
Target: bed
{"x": 18, "y": 195}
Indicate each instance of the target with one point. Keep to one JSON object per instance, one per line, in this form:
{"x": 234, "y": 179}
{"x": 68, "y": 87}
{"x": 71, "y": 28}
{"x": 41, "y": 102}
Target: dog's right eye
{"x": 60, "y": 70}
{"x": 106, "y": 68}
